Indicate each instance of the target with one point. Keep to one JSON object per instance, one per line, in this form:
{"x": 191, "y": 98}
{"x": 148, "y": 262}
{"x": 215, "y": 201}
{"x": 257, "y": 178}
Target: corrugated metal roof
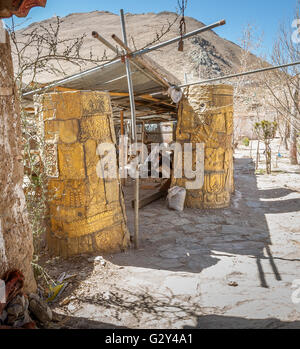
{"x": 112, "y": 77}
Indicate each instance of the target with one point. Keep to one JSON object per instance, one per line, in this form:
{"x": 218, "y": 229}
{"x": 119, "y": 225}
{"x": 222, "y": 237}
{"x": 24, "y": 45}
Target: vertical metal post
{"x": 129, "y": 79}
{"x": 133, "y": 133}
{"x": 293, "y": 136}
{"x": 122, "y": 148}
{"x": 185, "y": 78}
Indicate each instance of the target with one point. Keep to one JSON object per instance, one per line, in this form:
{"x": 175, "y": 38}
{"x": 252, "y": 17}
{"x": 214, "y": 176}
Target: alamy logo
{"x": 296, "y": 293}
{"x": 2, "y": 292}
{"x": 188, "y": 162}
{"x": 296, "y": 32}
{"x": 2, "y": 33}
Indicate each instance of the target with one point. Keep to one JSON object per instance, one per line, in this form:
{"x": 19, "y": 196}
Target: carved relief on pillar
{"x": 206, "y": 116}
{"x": 87, "y": 213}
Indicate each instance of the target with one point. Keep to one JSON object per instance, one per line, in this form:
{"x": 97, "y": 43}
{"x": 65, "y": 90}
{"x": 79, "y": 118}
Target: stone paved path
{"x": 231, "y": 268}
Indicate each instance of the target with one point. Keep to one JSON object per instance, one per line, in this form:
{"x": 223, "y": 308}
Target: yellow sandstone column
{"x": 206, "y": 116}
{"x": 87, "y": 213}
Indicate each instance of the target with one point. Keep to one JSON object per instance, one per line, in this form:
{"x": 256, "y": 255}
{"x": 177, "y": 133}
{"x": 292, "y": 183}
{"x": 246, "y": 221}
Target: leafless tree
{"x": 42, "y": 49}
{"x": 166, "y": 28}
{"x": 283, "y": 85}
{"x": 247, "y": 91}
{"x": 266, "y": 132}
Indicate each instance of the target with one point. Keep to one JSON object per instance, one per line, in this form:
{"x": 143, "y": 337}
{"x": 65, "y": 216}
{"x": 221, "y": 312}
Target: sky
{"x": 265, "y": 15}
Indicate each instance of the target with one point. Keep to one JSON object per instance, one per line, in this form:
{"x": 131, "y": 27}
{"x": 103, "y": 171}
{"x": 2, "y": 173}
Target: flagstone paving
{"x": 231, "y": 268}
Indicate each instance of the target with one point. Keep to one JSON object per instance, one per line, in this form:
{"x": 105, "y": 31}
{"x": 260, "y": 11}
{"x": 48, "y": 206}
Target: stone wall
{"x": 206, "y": 116}
{"x": 87, "y": 213}
{"x": 16, "y": 242}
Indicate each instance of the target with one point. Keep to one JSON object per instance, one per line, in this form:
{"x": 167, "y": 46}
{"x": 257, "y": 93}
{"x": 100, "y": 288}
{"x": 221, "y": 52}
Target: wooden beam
{"x": 143, "y": 96}
{"x": 29, "y": 110}
{"x": 105, "y": 42}
{"x": 149, "y": 199}
{"x": 156, "y": 101}
{"x": 63, "y": 89}
{"x": 122, "y": 122}
{"x": 159, "y": 112}
{"x": 119, "y": 94}
{"x": 147, "y": 103}
{"x": 150, "y": 113}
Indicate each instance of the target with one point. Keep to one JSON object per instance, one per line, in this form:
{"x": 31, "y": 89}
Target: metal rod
{"x": 129, "y": 79}
{"x": 134, "y": 135}
{"x": 122, "y": 146}
{"x": 240, "y": 74}
{"x": 117, "y": 60}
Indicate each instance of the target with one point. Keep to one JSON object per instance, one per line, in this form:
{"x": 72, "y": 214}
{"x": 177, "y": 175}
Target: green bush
{"x": 246, "y": 141}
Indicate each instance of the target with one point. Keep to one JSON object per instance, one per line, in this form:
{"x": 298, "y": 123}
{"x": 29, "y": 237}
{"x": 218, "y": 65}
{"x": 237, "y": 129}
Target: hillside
{"x": 205, "y": 55}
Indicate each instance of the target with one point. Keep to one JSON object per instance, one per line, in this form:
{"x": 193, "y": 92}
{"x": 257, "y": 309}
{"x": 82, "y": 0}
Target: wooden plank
{"x": 149, "y": 186}
{"x": 29, "y": 110}
{"x": 119, "y": 94}
{"x": 149, "y": 199}
{"x": 143, "y": 96}
{"x": 150, "y": 113}
{"x": 105, "y": 42}
{"x": 166, "y": 185}
{"x": 156, "y": 101}
{"x": 63, "y": 89}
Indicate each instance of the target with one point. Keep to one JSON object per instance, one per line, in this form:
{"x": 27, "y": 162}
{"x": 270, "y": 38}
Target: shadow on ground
{"x": 228, "y": 322}
{"x": 187, "y": 241}
{"x": 175, "y": 247}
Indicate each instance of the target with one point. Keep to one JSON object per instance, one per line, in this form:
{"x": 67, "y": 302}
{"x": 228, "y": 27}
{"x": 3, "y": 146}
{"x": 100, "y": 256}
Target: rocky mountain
{"x": 205, "y": 55}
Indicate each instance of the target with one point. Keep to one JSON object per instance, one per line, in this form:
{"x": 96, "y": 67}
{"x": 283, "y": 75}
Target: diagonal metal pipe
{"x": 226, "y": 77}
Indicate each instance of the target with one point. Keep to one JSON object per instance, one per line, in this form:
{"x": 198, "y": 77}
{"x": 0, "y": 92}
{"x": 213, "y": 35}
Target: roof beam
{"x": 156, "y": 101}
{"x": 144, "y": 96}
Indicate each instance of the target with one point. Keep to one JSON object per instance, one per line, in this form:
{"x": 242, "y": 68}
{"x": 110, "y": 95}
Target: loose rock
{"x": 39, "y": 309}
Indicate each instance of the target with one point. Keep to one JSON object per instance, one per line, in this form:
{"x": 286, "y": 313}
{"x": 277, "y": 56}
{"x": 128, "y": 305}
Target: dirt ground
{"x": 229, "y": 268}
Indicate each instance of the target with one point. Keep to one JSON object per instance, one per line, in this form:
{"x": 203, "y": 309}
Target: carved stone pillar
{"x": 206, "y": 116}
{"x": 87, "y": 213}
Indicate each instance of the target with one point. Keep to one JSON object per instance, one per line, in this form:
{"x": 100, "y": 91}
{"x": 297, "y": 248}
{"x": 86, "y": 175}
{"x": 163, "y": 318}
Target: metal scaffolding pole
{"x": 133, "y": 134}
